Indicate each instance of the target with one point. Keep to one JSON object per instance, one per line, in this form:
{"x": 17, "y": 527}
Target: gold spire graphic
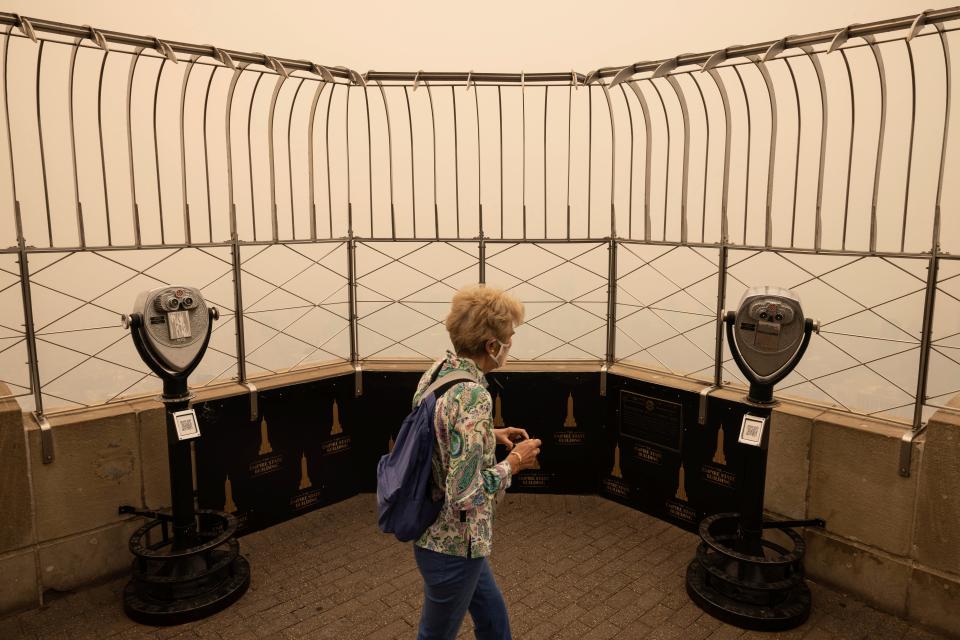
{"x": 265, "y": 447}
{"x": 337, "y": 429}
{"x": 390, "y": 444}
{"x": 498, "y": 413}
{"x": 304, "y": 478}
{"x": 718, "y": 456}
{"x": 616, "y": 473}
{"x": 681, "y": 490}
{"x": 569, "y": 422}
{"x": 228, "y": 505}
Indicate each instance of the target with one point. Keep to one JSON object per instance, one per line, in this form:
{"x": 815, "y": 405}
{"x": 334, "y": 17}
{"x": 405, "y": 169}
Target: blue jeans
{"x": 451, "y": 585}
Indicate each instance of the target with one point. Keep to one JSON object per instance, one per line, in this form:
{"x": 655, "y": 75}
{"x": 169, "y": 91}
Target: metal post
{"x": 611, "y": 314}
{"x": 352, "y": 293}
{"x": 238, "y": 299}
{"x": 483, "y": 254}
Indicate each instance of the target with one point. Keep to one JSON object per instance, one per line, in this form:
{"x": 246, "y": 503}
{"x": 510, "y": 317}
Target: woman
{"x": 452, "y": 553}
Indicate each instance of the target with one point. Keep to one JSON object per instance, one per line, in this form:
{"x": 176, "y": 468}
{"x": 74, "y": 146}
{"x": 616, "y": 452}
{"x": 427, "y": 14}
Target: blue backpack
{"x": 404, "y": 502}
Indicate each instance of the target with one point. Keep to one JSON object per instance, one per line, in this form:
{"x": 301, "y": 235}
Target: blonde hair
{"x": 479, "y": 313}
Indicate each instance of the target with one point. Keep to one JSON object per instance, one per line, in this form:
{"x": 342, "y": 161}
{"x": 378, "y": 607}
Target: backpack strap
{"x": 441, "y": 385}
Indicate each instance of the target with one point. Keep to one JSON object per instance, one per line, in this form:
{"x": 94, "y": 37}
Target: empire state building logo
{"x": 570, "y": 422}
{"x": 265, "y": 447}
{"x": 337, "y": 427}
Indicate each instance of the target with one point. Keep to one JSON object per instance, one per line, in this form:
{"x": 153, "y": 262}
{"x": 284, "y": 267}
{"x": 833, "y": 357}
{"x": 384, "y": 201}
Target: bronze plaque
{"x": 652, "y": 420}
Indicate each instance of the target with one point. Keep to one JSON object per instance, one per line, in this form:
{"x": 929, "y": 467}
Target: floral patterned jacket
{"x": 465, "y": 471}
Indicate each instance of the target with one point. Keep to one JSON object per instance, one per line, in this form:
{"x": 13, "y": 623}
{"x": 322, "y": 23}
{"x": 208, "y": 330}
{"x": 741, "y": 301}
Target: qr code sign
{"x": 751, "y": 431}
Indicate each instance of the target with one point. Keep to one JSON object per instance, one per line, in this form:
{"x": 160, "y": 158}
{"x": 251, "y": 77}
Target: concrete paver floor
{"x": 569, "y": 567}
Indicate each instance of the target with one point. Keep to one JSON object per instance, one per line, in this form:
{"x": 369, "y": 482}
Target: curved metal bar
{"x": 321, "y": 84}
{"x": 386, "y": 110}
{"x": 882, "y": 75}
{"x": 433, "y": 128}
{"x": 333, "y": 87}
{"x": 771, "y": 162}
{"x": 133, "y": 182}
{"x": 103, "y": 157}
{"x": 666, "y": 179}
{"x": 569, "y": 139}
{"x": 613, "y": 161}
{"x": 456, "y": 157}
{"x": 706, "y": 157}
{"x": 231, "y": 92}
{"x": 366, "y": 106}
{"x": 253, "y": 201}
{"x": 746, "y": 190}
{"x": 476, "y": 103}
{"x": 73, "y": 147}
{"x": 589, "y": 157}
{"x": 675, "y": 85}
{"x": 630, "y": 198}
{"x": 413, "y": 179}
{"x": 293, "y": 104}
{"x": 6, "y": 108}
{"x": 43, "y": 160}
{"x": 546, "y": 93}
{"x": 270, "y": 153}
{"x": 796, "y": 164}
{"x": 853, "y": 130}
{"x": 645, "y": 110}
{"x": 945, "y": 47}
{"x": 156, "y": 147}
{"x": 818, "y": 225}
{"x": 206, "y": 158}
{"x": 500, "y": 121}
{"x": 183, "y": 151}
{"x": 913, "y": 126}
{"x": 349, "y": 194}
{"x": 728, "y": 126}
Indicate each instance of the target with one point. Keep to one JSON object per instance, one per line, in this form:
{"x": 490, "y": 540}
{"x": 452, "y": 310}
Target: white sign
{"x": 751, "y": 430}
{"x": 186, "y": 424}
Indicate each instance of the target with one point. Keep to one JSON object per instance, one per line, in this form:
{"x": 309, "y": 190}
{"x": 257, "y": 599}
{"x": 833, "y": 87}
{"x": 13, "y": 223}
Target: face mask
{"x": 501, "y": 357}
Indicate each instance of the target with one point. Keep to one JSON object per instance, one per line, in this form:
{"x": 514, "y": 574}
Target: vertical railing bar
{"x": 569, "y": 142}
{"x": 156, "y": 148}
{"x": 882, "y": 74}
{"x": 476, "y": 104}
{"x": 771, "y": 162}
{"x": 238, "y": 316}
{"x": 183, "y": 150}
{"x": 311, "y": 153}
{"x": 386, "y": 110}
{"x": 926, "y": 335}
{"x": 271, "y": 156}
{"x": 611, "y": 346}
{"x": 721, "y": 302}
{"x": 546, "y": 93}
{"x": 796, "y": 164}
{"x": 103, "y": 160}
{"x": 706, "y": 157}
{"x": 133, "y": 182}
{"x": 589, "y": 157}
{"x": 43, "y": 161}
{"x": 613, "y": 162}
{"x": 413, "y": 173}
{"x": 666, "y": 179}
{"x": 433, "y": 129}
{"x": 349, "y": 185}
{"x": 523, "y": 153}
{"x": 206, "y": 157}
{"x": 456, "y": 157}
{"x": 818, "y": 223}
{"x": 366, "y": 106}
{"x": 333, "y": 87}
{"x": 913, "y": 124}
{"x": 253, "y": 200}
{"x": 29, "y": 333}
{"x": 675, "y": 85}
{"x": 644, "y": 109}
{"x": 500, "y": 125}
{"x": 630, "y": 197}
{"x": 853, "y": 131}
{"x": 728, "y": 126}
{"x": 73, "y": 148}
{"x": 746, "y": 188}
{"x": 293, "y": 104}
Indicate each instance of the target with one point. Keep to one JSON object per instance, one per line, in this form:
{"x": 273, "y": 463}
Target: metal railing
{"x": 322, "y": 207}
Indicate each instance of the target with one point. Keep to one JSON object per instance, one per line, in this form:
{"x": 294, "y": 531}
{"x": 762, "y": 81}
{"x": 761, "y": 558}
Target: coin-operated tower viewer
{"x": 193, "y": 568}
{"x": 738, "y": 575}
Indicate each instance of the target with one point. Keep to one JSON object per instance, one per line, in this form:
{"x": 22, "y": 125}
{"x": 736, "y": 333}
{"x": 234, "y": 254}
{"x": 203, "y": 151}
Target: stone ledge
{"x": 18, "y": 588}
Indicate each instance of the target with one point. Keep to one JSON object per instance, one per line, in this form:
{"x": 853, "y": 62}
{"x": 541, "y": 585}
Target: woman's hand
{"x": 524, "y": 454}
{"x": 509, "y": 435}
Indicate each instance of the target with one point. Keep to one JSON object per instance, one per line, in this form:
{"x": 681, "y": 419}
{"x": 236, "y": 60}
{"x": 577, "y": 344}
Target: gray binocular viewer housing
{"x": 171, "y": 327}
{"x": 768, "y": 335}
